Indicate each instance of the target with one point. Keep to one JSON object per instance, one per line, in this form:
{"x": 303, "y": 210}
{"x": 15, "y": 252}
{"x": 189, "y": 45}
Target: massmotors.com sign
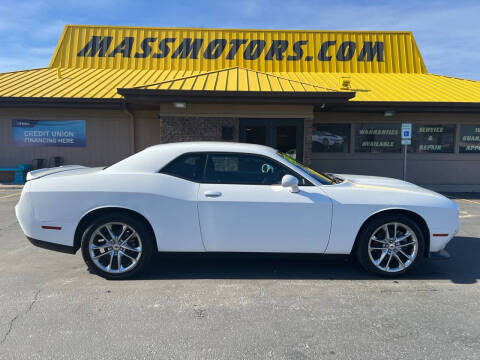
{"x": 195, "y": 48}
{"x": 69, "y": 133}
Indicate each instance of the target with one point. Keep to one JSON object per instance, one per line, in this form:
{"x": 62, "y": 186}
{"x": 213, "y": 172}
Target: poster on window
{"x": 330, "y": 137}
{"x": 68, "y": 133}
{"x": 433, "y": 138}
{"x": 469, "y": 139}
{"x": 377, "y": 138}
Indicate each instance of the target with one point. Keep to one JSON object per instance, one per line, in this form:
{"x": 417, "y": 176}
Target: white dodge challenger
{"x": 229, "y": 197}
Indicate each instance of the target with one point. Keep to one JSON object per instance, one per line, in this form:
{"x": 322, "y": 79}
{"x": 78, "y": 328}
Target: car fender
{"x": 342, "y": 235}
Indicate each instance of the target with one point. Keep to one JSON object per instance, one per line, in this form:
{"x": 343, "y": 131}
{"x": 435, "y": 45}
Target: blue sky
{"x": 447, "y": 32}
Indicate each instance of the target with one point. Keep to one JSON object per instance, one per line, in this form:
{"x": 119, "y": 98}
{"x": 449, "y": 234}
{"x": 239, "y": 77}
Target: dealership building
{"x": 334, "y": 99}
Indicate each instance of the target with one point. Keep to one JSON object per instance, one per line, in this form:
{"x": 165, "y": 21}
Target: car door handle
{"x": 212, "y": 193}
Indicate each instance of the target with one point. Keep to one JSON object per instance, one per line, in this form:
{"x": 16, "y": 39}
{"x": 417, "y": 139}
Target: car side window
{"x": 244, "y": 169}
{"x": 187, "y": 166}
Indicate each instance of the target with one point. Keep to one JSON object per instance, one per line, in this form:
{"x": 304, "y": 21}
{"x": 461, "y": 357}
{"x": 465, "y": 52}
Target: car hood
{"x": 375, "y": 180}
{"x": 385, "y": 183}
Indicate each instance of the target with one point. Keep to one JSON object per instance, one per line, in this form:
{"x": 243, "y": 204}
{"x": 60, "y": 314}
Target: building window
{"x": 377, "y": 138}
{"x": 469, "y": 139}
{"x": 330, "y": 137}
{"x": 433, "y": 138}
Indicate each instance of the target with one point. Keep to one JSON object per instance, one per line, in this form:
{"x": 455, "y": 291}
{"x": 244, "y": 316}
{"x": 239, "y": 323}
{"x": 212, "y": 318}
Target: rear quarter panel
{"x": 168, "y": 203}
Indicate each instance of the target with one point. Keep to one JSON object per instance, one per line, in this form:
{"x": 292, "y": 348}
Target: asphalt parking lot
{"x": 237, "y": 307}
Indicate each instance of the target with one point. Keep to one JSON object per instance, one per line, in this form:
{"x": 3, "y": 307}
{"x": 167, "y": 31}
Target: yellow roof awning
{"x": 103, "y": 84}
{"x": 239, "y": 79}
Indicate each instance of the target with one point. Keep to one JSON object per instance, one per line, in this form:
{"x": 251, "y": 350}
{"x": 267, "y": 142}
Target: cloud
{"x": 7, "y": 65}
{"x": 41, "y": 51}
{"x": 15, "y": 14}
{"x": 49, "y": 31}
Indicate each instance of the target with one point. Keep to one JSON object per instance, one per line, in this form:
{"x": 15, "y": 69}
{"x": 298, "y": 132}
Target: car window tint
{"x": 187, "y": 166}
{"x": 244, "y": 169}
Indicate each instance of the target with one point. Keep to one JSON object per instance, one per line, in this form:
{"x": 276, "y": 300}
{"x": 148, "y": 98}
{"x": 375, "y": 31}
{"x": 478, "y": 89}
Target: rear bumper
{"x": 55, "y": 232}
{"x": 52, "y": 246}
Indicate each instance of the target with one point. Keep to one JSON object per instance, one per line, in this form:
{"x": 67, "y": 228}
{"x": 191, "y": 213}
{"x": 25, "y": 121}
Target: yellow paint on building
{"x": 193, "y": 49}
{"x": 95, "y": 61}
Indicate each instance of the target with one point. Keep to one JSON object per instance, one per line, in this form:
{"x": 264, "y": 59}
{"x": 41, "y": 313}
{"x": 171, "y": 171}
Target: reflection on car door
{"x": 242, "y": 207}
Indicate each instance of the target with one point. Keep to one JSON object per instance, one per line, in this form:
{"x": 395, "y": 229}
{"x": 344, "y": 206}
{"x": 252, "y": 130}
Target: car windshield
{"x": 324, "y": 178}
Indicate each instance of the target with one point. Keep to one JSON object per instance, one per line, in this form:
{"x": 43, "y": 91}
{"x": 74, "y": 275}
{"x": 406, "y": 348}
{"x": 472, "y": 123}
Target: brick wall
{"x": 307, "y": 141}
{"x": 177, "y": 128}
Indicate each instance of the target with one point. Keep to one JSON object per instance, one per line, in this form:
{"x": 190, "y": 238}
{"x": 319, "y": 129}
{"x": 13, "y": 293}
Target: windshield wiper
{"x": 335, "y": 179}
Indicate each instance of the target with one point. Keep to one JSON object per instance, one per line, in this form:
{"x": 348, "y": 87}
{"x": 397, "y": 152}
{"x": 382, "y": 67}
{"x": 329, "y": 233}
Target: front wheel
{"x": 390, "y": 245}
{"x": 117, "y": 246}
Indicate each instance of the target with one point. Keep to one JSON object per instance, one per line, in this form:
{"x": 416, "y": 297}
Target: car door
{"x": 243, "y": 208}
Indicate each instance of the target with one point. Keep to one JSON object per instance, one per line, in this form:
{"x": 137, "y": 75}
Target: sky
{"x": 447, "y": 32}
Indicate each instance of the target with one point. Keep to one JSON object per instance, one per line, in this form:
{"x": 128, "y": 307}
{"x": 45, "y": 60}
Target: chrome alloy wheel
{"x": 115, "y": 247}
{"x": 393, "y": 247}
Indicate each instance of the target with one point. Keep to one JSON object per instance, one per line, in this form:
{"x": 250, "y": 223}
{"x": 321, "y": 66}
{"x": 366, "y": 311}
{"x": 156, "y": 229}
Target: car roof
{"x": 155, "y": 157}
{"x": 197, "y": 146}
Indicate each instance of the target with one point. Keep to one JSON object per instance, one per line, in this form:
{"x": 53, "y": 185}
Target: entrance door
{"x": 286, "y": 135}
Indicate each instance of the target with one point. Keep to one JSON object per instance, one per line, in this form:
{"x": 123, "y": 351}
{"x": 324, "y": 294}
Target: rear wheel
{"x": 391, "y": 245}
{"x": 117, "y": 246}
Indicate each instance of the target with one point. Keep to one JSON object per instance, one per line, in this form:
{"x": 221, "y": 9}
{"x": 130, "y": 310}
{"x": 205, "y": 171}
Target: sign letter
{"x": 96, "y": 45}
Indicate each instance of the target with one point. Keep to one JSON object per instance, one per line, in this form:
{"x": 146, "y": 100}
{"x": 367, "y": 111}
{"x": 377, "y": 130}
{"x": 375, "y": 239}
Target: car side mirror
{"x": 290, "y": 182}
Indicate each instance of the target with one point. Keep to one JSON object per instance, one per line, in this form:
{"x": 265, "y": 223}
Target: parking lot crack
{"x": 12, "y": 322}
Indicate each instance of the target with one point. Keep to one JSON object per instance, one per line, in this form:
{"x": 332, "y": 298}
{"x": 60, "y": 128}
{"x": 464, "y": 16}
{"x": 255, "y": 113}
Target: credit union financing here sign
{"x": 69, "y": 133}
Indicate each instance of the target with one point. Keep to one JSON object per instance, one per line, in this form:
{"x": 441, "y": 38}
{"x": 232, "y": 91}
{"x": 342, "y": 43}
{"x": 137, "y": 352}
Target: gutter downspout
{"x": 132, "y": 125}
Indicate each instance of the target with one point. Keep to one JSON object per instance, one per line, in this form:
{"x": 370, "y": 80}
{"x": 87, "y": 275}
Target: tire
{"x": 400, "y": 249}
{"x": 133, "y": 247}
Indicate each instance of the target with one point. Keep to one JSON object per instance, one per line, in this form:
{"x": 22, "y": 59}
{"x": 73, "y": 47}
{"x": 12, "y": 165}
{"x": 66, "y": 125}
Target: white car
{"x": 325, "y": 138}
{"x": 229, "y": 197}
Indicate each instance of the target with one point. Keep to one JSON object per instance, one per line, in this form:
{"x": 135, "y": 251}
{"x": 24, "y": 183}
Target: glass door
{"x": 286, "y": 140}
{"x": 286, "y": 135}
{"x": 256, "y": 134}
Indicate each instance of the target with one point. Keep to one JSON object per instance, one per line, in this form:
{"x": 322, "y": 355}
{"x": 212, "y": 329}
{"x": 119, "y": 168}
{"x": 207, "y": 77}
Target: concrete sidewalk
{"x": 10, "y": 186}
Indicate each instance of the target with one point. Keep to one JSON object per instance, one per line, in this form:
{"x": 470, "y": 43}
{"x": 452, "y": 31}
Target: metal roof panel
{"x": 103, "y": 83}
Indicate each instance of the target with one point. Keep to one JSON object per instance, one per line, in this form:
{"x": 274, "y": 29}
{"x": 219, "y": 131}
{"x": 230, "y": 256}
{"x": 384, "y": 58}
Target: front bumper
{"x": 441, "y": 236}
{"x": 440, "y": 255}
